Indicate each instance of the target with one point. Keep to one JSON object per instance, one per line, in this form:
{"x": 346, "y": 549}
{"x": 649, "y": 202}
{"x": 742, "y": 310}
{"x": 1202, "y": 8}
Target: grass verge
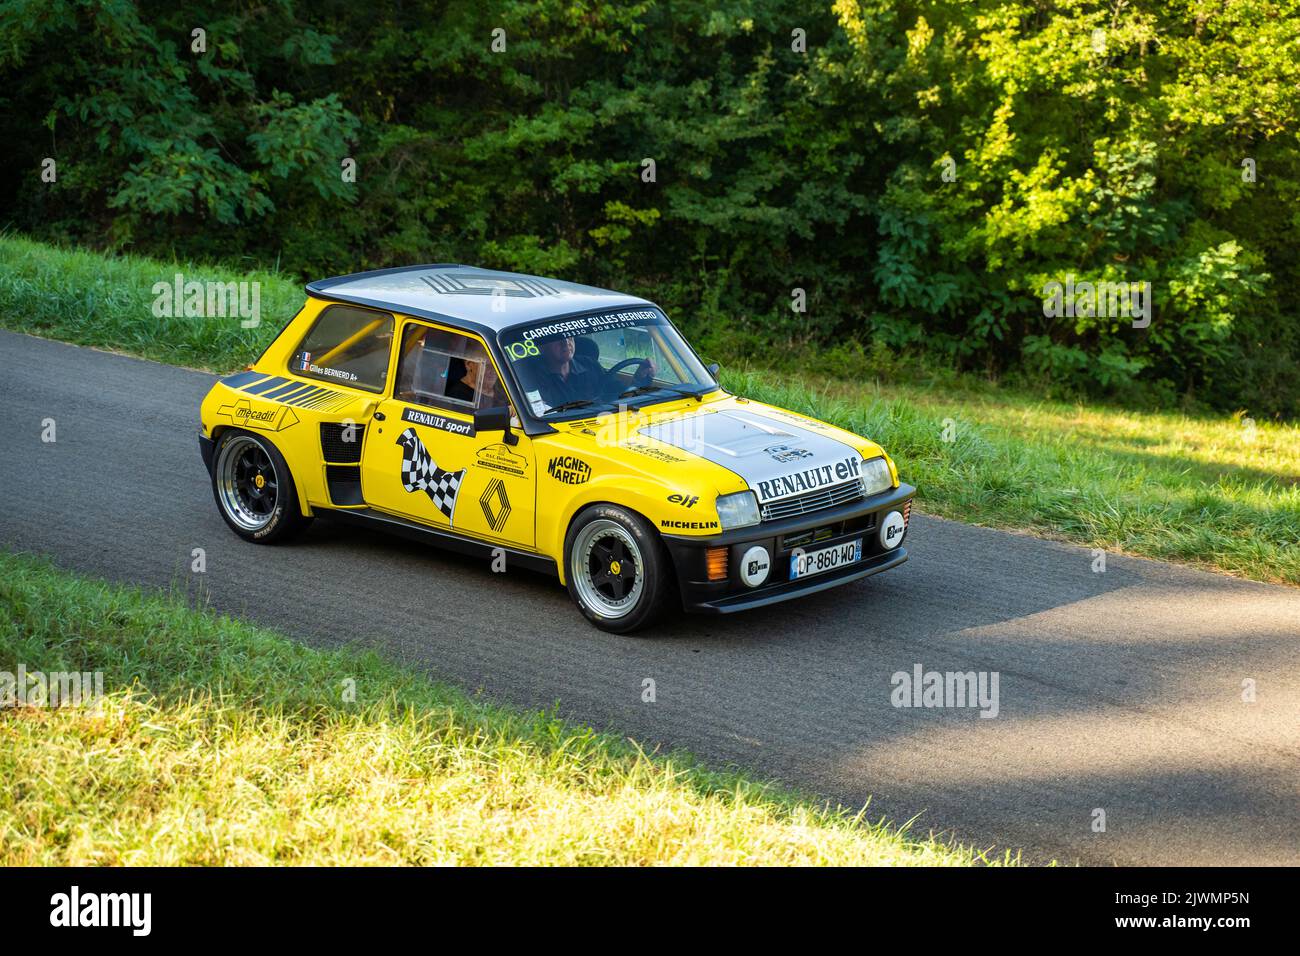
{"x": 221, "y": 743}
{"x": 1221, "y": 493}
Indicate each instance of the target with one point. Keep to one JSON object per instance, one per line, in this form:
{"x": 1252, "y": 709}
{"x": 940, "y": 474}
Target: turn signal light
{"x": 715, "y": 560}
{"x": 907, "y": 511}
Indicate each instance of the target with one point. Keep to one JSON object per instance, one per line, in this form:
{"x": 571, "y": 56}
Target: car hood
{"x": 775, "y": 453}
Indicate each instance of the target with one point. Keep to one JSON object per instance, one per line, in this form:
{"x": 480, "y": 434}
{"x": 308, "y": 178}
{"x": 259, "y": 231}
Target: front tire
{"x": 617, "y": 569}
{"x": 254, "y": 490}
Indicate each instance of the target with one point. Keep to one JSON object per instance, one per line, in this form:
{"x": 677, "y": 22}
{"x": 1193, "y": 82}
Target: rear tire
{"x": 618, "y": 571}
{"x": 254, "y": 489}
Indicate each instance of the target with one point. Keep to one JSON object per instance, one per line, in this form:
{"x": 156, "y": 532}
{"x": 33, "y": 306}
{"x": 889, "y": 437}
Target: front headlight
{"x": 876, "y": 477}
{"x": 737, "y": 511}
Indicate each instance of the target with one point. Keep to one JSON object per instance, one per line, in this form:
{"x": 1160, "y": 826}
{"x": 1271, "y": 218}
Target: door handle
{"x": 379, "y": 416}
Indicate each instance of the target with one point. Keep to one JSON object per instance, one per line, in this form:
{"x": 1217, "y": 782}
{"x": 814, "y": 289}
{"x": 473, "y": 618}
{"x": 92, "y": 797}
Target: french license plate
{"x": 825, "y": 559}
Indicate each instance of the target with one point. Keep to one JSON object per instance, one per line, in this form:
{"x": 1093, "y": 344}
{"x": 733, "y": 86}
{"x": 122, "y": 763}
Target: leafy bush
{"x": 920, "y": 169}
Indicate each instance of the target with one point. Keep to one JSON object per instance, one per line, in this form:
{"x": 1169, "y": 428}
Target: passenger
{"x": 460, "y": 380}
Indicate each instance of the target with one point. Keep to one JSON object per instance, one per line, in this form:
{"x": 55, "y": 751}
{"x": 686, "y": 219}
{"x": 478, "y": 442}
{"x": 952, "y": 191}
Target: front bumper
{"x": 862, "y": 519}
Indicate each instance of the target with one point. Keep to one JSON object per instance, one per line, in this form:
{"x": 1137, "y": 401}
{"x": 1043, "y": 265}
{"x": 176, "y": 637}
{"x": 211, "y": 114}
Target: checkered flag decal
{"x": 421, "y": 473}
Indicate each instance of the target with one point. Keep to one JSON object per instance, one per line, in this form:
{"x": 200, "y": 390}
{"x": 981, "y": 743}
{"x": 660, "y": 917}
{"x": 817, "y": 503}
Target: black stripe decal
{"x": 327, "y": 401}
{"x": 291, "y": 397}
{"x": 283, "y": 390}
{"x": 260, "y": 387}
{"x": 315, "y": 399}
{"x": 302, "y": 397}
{"x": 240, "y": 379}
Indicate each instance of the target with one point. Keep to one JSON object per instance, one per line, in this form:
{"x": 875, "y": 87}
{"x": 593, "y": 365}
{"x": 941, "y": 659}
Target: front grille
{"x": 861, "y": 524}
{"x": 813, "y": 501}
{"x": 334, "y": 445}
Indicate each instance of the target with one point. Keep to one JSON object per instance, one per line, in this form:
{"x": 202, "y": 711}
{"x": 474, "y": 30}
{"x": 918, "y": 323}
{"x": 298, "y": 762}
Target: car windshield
{"x": 575, "y": 364}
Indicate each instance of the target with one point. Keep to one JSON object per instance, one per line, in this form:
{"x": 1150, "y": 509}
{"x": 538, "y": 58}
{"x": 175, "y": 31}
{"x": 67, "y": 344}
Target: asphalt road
{"x": 1119, "y": 691}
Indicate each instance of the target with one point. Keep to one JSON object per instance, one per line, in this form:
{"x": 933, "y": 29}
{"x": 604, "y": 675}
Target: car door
{"x": 427, "y": 463}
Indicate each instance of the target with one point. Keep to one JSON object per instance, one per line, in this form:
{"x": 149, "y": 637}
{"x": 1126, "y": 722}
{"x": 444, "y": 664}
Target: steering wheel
{"x": 619, "y": 366}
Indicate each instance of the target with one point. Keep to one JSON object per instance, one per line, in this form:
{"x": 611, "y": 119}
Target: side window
{"x": 347, "y": 345}
{"x": 446, "y": 370}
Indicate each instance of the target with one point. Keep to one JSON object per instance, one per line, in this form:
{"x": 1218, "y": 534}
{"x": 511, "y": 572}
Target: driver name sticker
{"x": 304, "y": 364}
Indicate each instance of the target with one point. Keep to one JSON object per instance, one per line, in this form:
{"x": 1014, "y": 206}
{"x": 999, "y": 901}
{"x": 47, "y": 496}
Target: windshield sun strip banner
{"x": 525, "y": 345}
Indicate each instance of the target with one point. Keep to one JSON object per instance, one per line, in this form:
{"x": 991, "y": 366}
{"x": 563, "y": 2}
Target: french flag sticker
{"x": 304, "y": 362}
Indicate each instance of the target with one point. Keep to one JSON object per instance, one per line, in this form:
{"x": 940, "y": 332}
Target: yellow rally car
{"x": 545, "y": 425}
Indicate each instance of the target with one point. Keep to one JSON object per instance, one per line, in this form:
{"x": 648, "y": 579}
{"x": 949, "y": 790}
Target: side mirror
{"x": 713, "y": 368}
{"x": 495, "y": 420}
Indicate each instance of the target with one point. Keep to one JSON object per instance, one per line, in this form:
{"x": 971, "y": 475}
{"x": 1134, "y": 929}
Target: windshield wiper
{"x": 676, "y": 390}
{"x": 576, "y": 403}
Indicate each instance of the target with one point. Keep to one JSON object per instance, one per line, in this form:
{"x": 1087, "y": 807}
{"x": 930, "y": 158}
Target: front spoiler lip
{"x": 206, "y": 449}
{"x": 795, "y": 589}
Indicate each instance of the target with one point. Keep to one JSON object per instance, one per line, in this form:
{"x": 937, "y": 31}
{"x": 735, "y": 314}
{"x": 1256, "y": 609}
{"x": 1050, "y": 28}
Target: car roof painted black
{"x": 462, "y": 295}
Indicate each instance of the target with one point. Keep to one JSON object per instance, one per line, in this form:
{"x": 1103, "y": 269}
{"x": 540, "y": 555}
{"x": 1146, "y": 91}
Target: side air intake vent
{"x": 334, "y": 444}
{"x": 344, "y": 483}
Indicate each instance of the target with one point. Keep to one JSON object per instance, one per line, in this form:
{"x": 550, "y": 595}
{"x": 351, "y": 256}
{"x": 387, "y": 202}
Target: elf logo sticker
{"x": 569, "y": 470}
{"x": 686, "y": 501}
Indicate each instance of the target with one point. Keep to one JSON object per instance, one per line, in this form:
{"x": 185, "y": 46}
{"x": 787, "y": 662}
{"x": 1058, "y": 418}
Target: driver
{"x": 565, "y": 377}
